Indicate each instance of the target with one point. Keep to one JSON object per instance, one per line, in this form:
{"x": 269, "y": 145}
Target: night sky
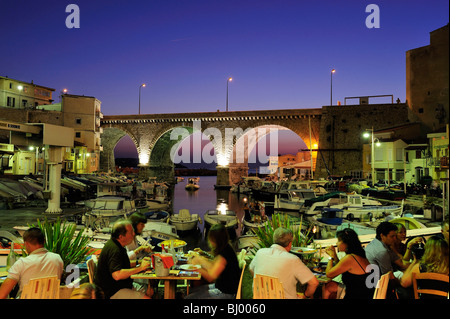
{"x": 279, "y": 53}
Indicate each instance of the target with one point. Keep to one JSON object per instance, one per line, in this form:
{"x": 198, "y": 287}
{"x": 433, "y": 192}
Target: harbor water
{"x": 197, "y": 202}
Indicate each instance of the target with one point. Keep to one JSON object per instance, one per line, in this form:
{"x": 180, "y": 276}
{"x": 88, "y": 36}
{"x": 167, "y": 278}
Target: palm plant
{"x": 265, "y": 234}
{"x": 60, "y": 238}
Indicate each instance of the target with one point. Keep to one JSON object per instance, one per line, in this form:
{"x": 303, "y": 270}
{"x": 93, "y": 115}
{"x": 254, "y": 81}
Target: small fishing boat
{"x": 227, "y": 218}
{"x": 255, "y": 222}
{"x": 157, "y": 215}
{"x": 159, "y": 231}
{"x": 192, "y": 184}
{"x": 184, "y": 220}
{"x": 104, "y": 210}
{"x": 293, "y": 199}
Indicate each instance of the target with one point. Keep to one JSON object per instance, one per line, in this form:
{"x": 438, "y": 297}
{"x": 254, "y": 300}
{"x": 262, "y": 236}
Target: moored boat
{"x": 159, "y": 231}
{"x": 105, "y": 210}
{"x": 192, "y": 184}
{"x": 227, "y": 218}
{"x": 184, "y": 220}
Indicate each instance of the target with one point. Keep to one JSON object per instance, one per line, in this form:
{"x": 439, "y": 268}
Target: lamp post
{"x": 20, "y": 88}
{"x": 228, "y": 81}
{"x": 366, "y": 135}
{"x": 331, "y": 87}
{"x": 142, "y": 85}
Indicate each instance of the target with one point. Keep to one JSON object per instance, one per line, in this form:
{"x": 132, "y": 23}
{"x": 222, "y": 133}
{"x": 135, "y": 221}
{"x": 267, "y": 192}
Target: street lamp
{"x": 331, "y": 87}
{"x": 228, "y": 81}
{"x": 20, "y": 88}
{"x": 373, "y": 143}
{"x": 142, "y": 85}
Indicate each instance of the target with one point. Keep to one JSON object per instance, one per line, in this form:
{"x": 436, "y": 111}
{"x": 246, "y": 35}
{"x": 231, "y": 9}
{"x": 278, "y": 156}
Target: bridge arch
{"x": 153, "y": 134}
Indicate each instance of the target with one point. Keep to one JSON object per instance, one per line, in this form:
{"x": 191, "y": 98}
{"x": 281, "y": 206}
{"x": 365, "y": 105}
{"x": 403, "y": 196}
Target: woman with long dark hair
{"x": 353, "y": 267}
{"x": 222, "y": 272}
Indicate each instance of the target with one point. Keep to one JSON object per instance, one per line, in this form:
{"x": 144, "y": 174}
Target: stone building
{"x": 23, "y": 95}
{"x": 427, "y": 70}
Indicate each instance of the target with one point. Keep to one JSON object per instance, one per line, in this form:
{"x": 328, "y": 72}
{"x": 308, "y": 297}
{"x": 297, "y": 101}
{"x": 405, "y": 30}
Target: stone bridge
{"x": 232, "y": 134}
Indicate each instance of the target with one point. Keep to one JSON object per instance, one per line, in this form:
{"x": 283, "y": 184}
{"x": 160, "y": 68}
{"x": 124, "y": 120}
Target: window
{"x": 78, "y": 121}
{"x": 11, "y": 101}
{"x": 77, "y": 134}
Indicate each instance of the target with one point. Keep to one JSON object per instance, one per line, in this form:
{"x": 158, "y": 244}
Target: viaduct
{"x": 337, "y": 130}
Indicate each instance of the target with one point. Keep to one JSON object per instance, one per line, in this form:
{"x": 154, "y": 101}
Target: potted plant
{"x": 265, "y": 234}
{"x": 60, "y": 238}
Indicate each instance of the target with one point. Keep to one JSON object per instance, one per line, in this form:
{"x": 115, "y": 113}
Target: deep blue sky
{"x": 279, "y": 53}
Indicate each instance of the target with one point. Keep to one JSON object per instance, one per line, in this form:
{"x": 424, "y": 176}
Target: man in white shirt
{"x": 39, "y": 263}
{"x": 276, "y": 261}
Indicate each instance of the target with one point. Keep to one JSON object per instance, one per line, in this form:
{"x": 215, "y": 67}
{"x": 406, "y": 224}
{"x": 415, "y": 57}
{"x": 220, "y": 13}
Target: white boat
{"x": 255, "y": 222}
{"x": 192, "y": 184}
{"x": 105, "y": 210}
{"x": 227, "y": 218}
{"x": 184, "y": 220}
{"x": 355, "y": 206}
{"x": 159, "y": 231}
{"x": 293, "y": 199}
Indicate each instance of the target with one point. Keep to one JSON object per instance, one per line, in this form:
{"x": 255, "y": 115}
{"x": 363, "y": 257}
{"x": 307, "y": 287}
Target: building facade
{"x": 23, "y": 95}
{"x": 427, "y": 70}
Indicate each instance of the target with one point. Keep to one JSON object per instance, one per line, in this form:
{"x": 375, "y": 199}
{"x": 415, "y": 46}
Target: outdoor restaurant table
{"x": 170, "y": 281}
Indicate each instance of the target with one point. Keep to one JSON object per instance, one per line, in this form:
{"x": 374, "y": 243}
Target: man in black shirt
{"x": 114, "y": 270}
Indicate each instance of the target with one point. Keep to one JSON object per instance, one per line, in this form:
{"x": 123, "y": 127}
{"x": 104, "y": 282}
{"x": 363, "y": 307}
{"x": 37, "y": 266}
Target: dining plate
{"x": 303, "y": 250}
{"x": 190, "y": 267}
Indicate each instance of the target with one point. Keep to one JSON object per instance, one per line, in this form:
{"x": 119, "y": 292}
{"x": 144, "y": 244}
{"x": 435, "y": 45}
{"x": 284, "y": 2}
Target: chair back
{"x": 382, "y": 286}
{"x": 92, "y": 268}
{"x": 41, "y": 288}
{"x": 239, "y": 291}
{"x": 430, "y": 285}
{"x": 267, "y": 287}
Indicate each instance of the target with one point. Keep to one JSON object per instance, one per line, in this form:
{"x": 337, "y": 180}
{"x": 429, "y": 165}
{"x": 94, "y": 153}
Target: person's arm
{"x": 406, "y": 280}
{"x": 312, "y": 285}
{"x": 6, "y": 287}
{"x": 210, "y": 270}
{"x": 408, "y": 254}
{"x": 334, "y": 269}
{"x": 127, "y": 273}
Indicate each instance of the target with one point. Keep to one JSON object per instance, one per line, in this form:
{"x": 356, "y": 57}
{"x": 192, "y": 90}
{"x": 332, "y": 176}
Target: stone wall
{"x": 341, "y": 134}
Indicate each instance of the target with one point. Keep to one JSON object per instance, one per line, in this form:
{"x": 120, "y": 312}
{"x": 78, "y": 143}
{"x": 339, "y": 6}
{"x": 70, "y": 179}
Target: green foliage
{"x": 265, "y": 234}
{"x": 61, "y": 239}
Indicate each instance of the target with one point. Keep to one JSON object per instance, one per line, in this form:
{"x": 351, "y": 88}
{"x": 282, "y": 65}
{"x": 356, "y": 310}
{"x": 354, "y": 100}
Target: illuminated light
{"x": 315, "y": 146}
{"x": 20, "y": 87}
{"x": 222, "y": 208}
{"x": 366, "y": 134}
{"x": 333, "y": 71}
{"x": 143, "y": 158}
{"x": 30, "y": 148}
{"x": 230, "y": 79}
{"x": 378, "y": 144}
{"x": 143, "y": 85}
{"x": 222, "y": 160}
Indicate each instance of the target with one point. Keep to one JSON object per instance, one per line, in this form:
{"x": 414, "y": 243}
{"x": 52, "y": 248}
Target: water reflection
{"x": 202, "y": 200}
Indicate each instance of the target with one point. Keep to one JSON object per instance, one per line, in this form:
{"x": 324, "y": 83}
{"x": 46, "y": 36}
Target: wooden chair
{"x": 41, "y": 288}
{"x": 382, "y": 286}
{"x": 239, "y": 291}
{"x": 430, "y": 285}
{"x": 92, "y": 268}
{"x": 267, "y": 287}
